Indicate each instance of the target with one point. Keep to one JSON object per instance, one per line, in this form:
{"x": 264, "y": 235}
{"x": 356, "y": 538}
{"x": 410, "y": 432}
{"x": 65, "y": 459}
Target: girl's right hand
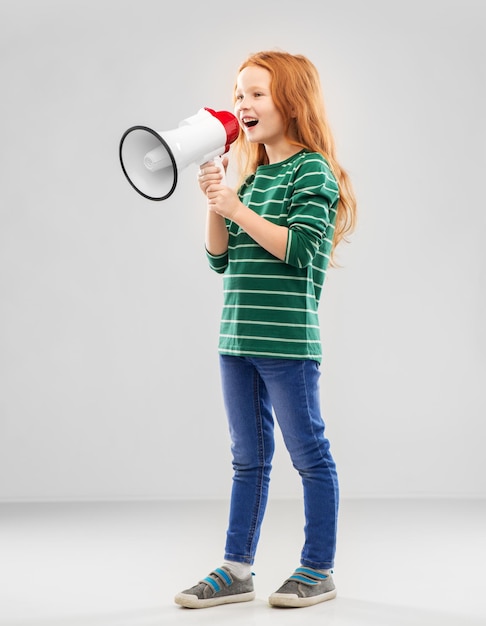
{"x": 209, "y": 174}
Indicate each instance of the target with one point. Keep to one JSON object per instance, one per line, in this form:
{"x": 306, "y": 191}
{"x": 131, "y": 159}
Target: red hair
{"x": 296, "y": 91}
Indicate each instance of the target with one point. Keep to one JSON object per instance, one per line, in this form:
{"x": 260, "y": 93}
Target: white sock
{"x": 240, "y": 570}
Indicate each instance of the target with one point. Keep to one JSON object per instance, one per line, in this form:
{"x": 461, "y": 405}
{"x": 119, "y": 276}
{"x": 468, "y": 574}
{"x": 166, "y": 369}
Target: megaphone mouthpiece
{"x": 230, "y": 123}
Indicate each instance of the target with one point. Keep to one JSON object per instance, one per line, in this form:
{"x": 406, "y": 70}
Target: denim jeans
{"x": 254, "y": 390}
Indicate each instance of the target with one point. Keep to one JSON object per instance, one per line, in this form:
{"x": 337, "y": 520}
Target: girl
{"x": 272, "y": 241}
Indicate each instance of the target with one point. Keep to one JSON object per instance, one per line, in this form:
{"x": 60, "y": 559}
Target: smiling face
{"x": 255, "y": 109}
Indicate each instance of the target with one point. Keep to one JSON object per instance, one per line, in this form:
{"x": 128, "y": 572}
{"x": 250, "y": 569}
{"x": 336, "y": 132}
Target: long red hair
{"x": 296, "y": 91}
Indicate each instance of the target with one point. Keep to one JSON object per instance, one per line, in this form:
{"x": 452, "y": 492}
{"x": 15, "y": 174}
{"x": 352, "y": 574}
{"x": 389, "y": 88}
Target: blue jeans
{"x": 255, "y": 389}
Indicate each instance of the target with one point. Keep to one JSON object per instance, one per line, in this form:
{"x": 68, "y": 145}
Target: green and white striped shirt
{"x": 270, "y": 306}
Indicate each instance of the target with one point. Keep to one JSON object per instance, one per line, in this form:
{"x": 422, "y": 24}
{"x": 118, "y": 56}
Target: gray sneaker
{"x": 219, "y": 587}
{"x": 305, "y": 587}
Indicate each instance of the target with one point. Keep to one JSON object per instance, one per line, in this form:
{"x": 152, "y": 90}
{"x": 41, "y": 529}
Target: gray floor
{"x": 399, "y": 563}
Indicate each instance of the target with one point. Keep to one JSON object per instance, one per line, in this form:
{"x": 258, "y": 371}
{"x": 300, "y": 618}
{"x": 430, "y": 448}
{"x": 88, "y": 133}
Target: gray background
{"x": 109, "y": 313}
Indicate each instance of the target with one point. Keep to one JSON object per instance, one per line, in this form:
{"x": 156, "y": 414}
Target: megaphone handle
{"x": 218, "y": 161}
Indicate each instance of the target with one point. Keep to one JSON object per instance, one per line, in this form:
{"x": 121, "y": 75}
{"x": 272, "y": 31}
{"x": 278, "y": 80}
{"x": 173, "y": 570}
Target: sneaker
{"x": 305, "y": 587}
{"x": 219, "y": 587}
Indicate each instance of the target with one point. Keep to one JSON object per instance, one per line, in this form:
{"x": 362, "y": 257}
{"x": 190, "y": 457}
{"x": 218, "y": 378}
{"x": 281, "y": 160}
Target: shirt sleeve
{"x": 312, "y": 211}
{"x": 217, "y": 263}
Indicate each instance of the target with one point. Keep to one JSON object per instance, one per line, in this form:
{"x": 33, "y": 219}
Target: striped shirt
{"x": 270, "y": 306}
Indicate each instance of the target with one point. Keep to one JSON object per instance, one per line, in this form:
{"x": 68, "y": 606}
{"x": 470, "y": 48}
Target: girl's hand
{"x": 223, "y": 201}
{"x": 209, "y": 173}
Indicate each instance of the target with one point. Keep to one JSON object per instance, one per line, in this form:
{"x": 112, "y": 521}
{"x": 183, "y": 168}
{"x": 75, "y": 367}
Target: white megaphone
{"x": 151, "y": 160}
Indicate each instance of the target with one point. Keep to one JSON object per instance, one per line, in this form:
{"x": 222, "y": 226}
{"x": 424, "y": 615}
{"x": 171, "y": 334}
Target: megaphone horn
{"x": 152, "y": 159}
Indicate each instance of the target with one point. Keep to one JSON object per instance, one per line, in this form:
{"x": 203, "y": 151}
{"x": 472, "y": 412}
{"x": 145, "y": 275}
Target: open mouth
{"x": 249, "y": 122}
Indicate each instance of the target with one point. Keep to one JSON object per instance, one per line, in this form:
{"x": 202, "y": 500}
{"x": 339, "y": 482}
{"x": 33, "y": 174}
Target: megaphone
{"x": 151, "y": 160}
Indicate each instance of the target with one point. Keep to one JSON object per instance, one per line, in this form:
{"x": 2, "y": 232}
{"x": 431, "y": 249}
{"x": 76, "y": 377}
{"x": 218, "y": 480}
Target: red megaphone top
{"x": 230, "y": 123}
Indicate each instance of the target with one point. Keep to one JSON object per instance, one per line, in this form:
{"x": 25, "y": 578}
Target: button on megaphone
{"x": 151, "y": 160}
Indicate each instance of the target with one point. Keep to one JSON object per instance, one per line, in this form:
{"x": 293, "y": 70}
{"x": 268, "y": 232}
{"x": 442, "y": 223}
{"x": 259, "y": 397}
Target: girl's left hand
{"x": 223, "y": 200}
